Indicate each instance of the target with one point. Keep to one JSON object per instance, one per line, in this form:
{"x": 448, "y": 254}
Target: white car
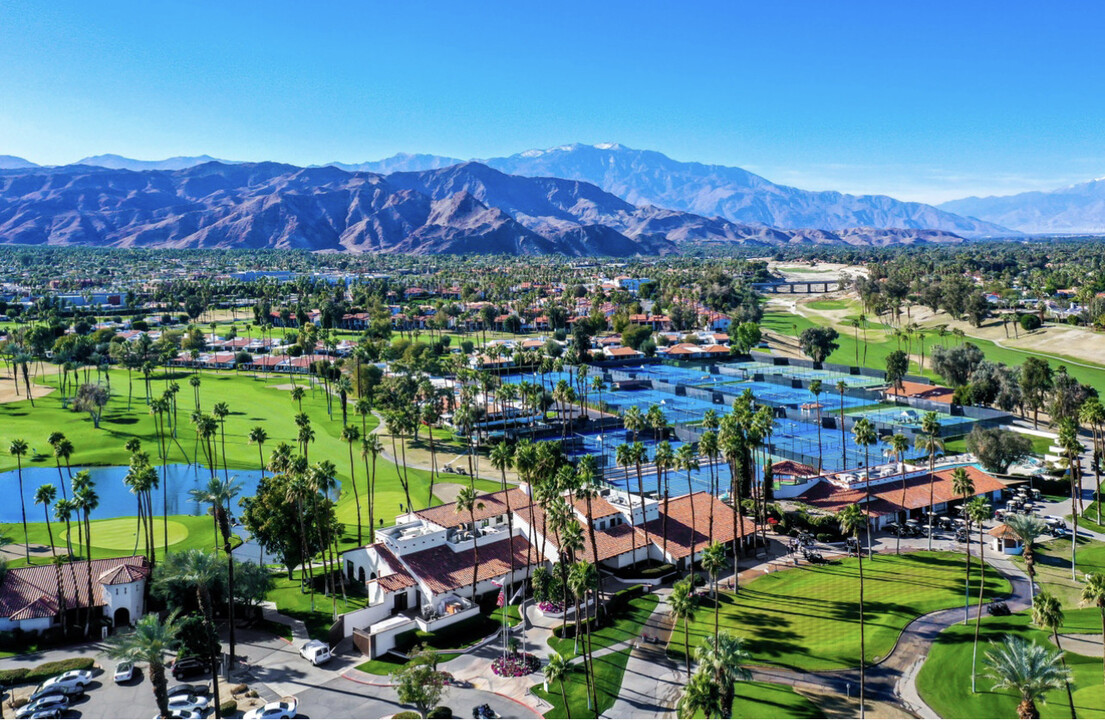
{"x": 187, "y": 704}
{"x": 284, "y": 709}
{"x": 73, "y": 682}
{"x": 124, "y": 672}
{"x": 316, "y": 651}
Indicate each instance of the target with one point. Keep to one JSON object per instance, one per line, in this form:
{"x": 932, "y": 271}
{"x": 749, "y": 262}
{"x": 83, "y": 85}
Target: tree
{"x": 350, "y": 434}
{"x": 1093, "y": 593}
{"x": 1047, "y": 614}
{"x": 865, "y": 436}
{"x": 713, "y": 562}
{"x": 1036, "y": 381}
{"x": 997, "y": 449}
{"x": 258, "y": 437}
{"x": 420, "y": 683}
{"x": 92, "y": 398}
{"x": 724, "y": 657}
{"x": 701, "y": 696}
{"x": 1027, "y": 528}
{"x": 964, "y": 487}
{"x": 818, "y": 343}
{"x": 1028, "y": 668}
{"x": 897, "y": 365}
{"x": 18, "y": 449}
{"x": 219, "y": 494}
{"x": 851, "y": 520}
{"x": 149, "y": 642}
{"x": 815, "y": 390}
{"x": 468, "y": 502}
{"x": 556, "y": 670}
{"x": 979, "y": 511}
{"x": 684, "y": 606}
{"x": 275, "y": 523}
{"x": 929, "y": 441}
{"x": 955, "y": 364}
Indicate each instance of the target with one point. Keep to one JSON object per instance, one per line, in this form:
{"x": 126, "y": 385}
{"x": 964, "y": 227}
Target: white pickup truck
{"x": 316, "y": 651}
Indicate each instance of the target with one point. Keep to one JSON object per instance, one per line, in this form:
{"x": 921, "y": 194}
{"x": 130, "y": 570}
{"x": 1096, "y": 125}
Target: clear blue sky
{"x": 924, "y": 101}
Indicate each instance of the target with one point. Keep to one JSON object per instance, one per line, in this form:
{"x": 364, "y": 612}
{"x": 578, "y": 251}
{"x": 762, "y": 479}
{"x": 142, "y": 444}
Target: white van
{"x": 316, "y": 651}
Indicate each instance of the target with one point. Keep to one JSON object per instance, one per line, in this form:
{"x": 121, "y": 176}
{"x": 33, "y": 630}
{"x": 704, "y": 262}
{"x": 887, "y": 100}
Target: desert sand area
{"x": 802, "y": 271}
{"x": 9, "y": 393}
{"x": 1063, "y": 342}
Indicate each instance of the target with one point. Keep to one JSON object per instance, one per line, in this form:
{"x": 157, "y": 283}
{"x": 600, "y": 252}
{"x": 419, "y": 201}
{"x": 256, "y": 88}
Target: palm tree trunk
{"x": 862, "y": 647}
{"x": 978, "y": 615}
{"x": 1063, "y": 659}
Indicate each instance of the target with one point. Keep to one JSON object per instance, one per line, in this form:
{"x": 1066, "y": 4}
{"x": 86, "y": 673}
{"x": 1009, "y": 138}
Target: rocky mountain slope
{"x": 1076, "y": 209}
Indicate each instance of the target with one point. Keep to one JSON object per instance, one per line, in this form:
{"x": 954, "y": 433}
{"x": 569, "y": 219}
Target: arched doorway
{"x": 122, "y": 617}
{"x": 360, "y": 574}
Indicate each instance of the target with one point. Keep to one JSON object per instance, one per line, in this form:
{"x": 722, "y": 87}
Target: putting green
{"x": 119, "y": 533}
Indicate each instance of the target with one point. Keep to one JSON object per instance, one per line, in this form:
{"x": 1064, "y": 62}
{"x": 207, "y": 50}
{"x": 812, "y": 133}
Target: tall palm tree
{"x": 623, "y": 455}
{"x": 1092, "y": 414}
{"x": 63, "y": 512}
{"x": 1027, "y": 528}
{"x": 851, "y": 520}
{"x": 687, "y": 460}
{"x": 899, "y": 444}
{"x": 557, "y": 671}
{"x": 1028, "y": 668}
{"x": 865, "y": 436}
{"x": 664, "y": 460}
{"x": 713, "y": 562}
{"x": 724, "y": 658}
{"x": 350, "y": 434}
{"x": 1093, "y": 593}
{"x": 62, "y": 448}
{"x": 150, "y": 640}
{"x": 841, "y": 386}
{"x": 1047, "y": 614}
{"x": 582, "y": 579}
{"x": 684, "y": 605}
{"x": 258, "y": 437}
{"x": 467, "y": 502}
{"x": 371, "y": 447}
{"x": 1072, "y": 447}
{"x": 18, "y": 449}
{"x": 194, "y": 381}
{"x": 297, "y": 396}
{"x": 701, "y": 697}
{"x": 220, "y": 412}
{"x": 638, "y": 455}
{"x": 929, "y": 441}
{"x": 980, "y": 511}
{"x": 219, "y": 494}
{"x": 44, "y": 495}
{"x": 815, "y": 390}
{"x": 964, "y": 487}
{"x": 201, "y": 571}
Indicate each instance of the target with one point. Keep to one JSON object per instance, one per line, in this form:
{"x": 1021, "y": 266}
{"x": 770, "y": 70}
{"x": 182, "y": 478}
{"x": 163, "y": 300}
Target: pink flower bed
{"x": 516, "y": 665}
{"x": 550, "y": 607}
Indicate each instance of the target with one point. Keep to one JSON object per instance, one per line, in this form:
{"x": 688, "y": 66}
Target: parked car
{"x": 284, "y": 709}
{"x": 45, "y": 690}
{"x": 187, "y": 667}
{"x": 484, "y": 712}
{"x": 188, "y": 703}
{"x": 48, "y": 703}
{"x": 124, "y": 672}
{"x": 186, "y": 689}
{"x": 73, "y": 682}
{"x": 316, "y": 651}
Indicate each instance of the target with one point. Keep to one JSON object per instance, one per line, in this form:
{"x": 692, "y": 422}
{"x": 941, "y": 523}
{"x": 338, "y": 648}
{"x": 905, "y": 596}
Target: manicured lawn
{"x": 770, "y": 700}
{"x": 832, "y": 304}
{"x": 609, "y": 670}
{"x": 945, "y": 679}
{"x": 626, "y": 626}
{"x": 1053, "y": 567}
{"x": 389, "y": 663}
{"x": 808, "y": 618}
{"x": 291, "y": 601}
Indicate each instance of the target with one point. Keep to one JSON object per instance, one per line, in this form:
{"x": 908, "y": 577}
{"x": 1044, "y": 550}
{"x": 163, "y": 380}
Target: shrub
{"x": 44, "y": 671}
{"x": 824, "y": 537}
{"x": 407, "y": 715}
{"x": 228, "y": 707}
{"x": 441, "y": 711}
{"x": 239, "y": 689}
{"x": 1030, "y": 322}
{"x": 13, "y": 676}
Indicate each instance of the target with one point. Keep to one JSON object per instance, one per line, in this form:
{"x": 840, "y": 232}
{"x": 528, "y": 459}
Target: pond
{"x": 116, "y": 499}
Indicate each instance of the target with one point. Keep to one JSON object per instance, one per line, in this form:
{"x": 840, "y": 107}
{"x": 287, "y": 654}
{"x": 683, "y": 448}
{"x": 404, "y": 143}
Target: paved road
{"x": 342, "y": 698}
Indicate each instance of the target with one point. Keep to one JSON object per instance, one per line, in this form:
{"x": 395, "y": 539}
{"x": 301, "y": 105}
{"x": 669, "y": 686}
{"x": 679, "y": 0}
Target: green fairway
{"x": 771, "y": 700}
{"x": 945, "y": 679}
{"x": 124, "y": 534}
{"x": 1053, "y": 567}
{"x": 609, "y": 670}
{"x": 832, "y": 305}
{"x": 808, "y": 618}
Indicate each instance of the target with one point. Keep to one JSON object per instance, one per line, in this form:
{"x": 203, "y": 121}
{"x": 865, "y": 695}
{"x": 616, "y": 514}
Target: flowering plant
{"x": 515, "y": 665}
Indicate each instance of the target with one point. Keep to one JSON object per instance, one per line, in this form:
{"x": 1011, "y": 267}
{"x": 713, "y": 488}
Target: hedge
{"x": 45, "y": 671}
{"x": 228, "y": 707}
{"x": 441, "y": 711}
{"x": 407, "y": 715}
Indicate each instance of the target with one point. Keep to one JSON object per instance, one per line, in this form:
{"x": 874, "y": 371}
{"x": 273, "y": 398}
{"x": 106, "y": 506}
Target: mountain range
{"x": 461, "y": 208}
{"x": 1076, "y": 209}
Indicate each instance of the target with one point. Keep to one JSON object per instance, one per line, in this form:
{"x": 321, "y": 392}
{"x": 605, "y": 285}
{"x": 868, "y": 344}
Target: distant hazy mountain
{"x": 403, "y": 162}
{"x": 461, "y": 208}
{"x": 11, "y": 162}
{"x": 1076, "y": 209}
{"x": 118, "y": 162}
{"x": 644, "y": 176}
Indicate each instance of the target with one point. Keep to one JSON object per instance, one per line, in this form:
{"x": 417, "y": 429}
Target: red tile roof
{"x": 493, "y": 504}
{"x": 936, "y": 393}
{"x": 32, "y": 592}
{"x": 793, "y": 469}
{"x": 443, "y": 570}
{"x": 680, "y": 530}
{"x": 887, "y": 498}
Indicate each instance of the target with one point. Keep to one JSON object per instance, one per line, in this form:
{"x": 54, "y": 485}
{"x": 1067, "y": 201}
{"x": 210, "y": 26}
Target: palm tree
{"x": 467, "y": 502}
{"x": 929, "y": 441}
{"x": 664, "y": 460}
{"x": 63, "y": 512}
{"x": 851, "y": 520}
{"x": 1027, "y": 528}
{"x": 684, "y": 605}
{"x": 688, "y": 461}
{"x": 371, "y": 446}
{"x": 865, "y": 436}
{"x": 219, "y": 494}
{"x": 1092, "y": 413}
{"x": 713, "y": 562}
{"x": 297, "y": 396}
{"x": 220, "y": 412}
{"x": 150, "y": 640}
{"x": 1093, "y": 593}
{"x": 18, "y": 448}
{"x": 1072, "y": 447}
{"x": 899, "y": 444}
{"x": 350, "y": 434}
{"x": 557, "y": 671}
{"x": 44, "y": 495}
{"x": 638, "y": 455}
{"x": 841, "y": 386}
{"x": 201, "y": 571}
{"x": 62, "y": 448}
{"x": 194, "y": 381}
{"x": 980, "y": 511}
{"x": 258, "y": 437}
{"x": 724, "y": 658}
{"x": 1028, "y": 668}
{"x": 1047, "y": 614}
{"x": 815, "y": 390}
{"x": 964, "y": 487}
{"x": 582, "y": 579}
{"x": 701, "y": 696}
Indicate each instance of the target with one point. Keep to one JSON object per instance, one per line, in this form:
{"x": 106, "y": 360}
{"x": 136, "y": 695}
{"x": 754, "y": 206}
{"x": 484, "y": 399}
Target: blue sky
{"x": 925, "y": 101}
